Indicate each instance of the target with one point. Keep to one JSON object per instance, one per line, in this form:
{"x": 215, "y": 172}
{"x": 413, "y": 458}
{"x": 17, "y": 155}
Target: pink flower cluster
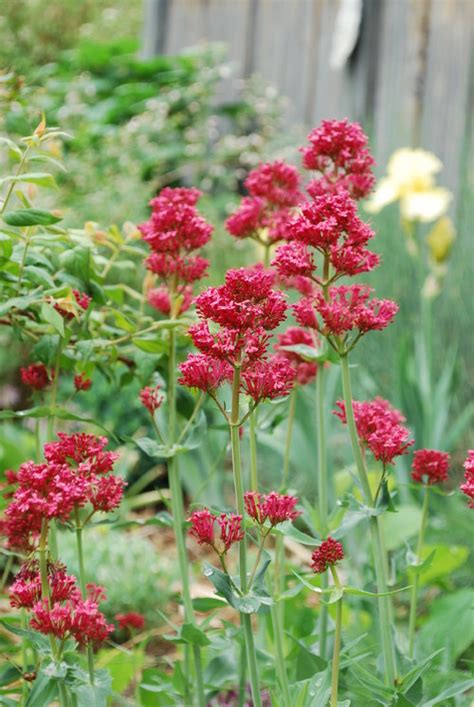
{"x": 36, "y": 376}
{"x": 64, "y": 612}
{"x": 345, "y": 308}
{"x": 203, "y": 529}
{"x": 294, "y": 336}
{"x": 151, "y": 398}
{"x": 328, "y": 553}
{"x": 274, "y": 507}
{"x": 77, "y": 617}
{"x": 174, "y": 231}
{"x": 75, "y": 473}
{"x": 273, "y": 193}
{"x": 430, "y": 466}
{"x": 81, "y": 382}
{"x": 330, "y": 225}
{"x": 468, "y": 486}
{"x": 130, "y": 620}
{"x": 338, "y": 152}
{"x": 379, "y": 428}
{"x": 245, "y": 309}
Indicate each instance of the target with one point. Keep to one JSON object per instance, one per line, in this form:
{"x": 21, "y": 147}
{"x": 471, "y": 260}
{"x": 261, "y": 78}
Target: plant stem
{"x": 177, "y": 506}
{"x": 377, "y": 542}
{"x": 337, "y": 642}
{"x": 289, "y": 435}
{"x": 416, "y": 579}
{"x": 239, "y": 497}
{"x": 280, "y": 655}
{"x": 193, "y": 416}
{"x": 24, "y": 657}
{"x": 253, "y": 451}
{"x": 322, "y": 497}
{"x": 82, "y": 585}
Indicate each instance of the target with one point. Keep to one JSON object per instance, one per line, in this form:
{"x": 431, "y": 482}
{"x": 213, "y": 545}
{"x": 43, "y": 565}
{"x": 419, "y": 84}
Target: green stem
{"x": 253, "y": 451}
{"x": 24, "y": 657}
{"x": 23, "y": 259}
{"x": 280, "y": 656}
{"x": 239, "y": 496}
{"x": 322, "y": 497}
{"x": 13, "y": 182}
{"x": 266, "y": 255}
{"x": 374, "y": 525}
{"x": 177, "y": 506}
{"x": 416, "y": 579}
{"x": 194, "y": 413}
{"x": 337, "y": 642}
{"x": 6, "y": 573}
{"x": 53, "y": 537}
{"x": 289, "y": 435}
{"x": 82, "y": 585}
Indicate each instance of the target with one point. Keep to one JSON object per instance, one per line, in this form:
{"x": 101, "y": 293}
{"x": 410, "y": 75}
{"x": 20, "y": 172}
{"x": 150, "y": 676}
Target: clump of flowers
{"x": 430, "y": 466}
{"x": 75, "y": 474}
{"x": 273, "y": 507}
{"x": 174, "y": 232}
{"x": 245, "y": 309}
{"x": 76, "y": 618}
{"x": 379, "y": 427}
{"x": 26, "y": 591}
{"x": 151, "y": 398}
{"x": 36, "y": 376}
{"x": 328, "y": 553}
{"x": 81, "y": 382}
{"x": 68, "y": 308}
{"x": 131, "y": 621}
{"x": 468, "y": 486}
{"x": 274, "y": 190}
{"x": 203, "y": 529}
{"x": 338, "y": 152}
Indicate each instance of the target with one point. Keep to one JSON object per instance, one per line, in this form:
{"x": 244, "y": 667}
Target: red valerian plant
{"x": 338, "y": 151}
{"x": 36, "y": 376}
{"x": 305, "y": 371}
{"x": 174, "y": 232}
{"x": 203, "y": 530}
{"x": 430, "y": 466}
{"x": 468, "y": 486}
{"x": 274, "y": 190}
{"x": 131, "y": 621}
{"x": 328, "y": 553}
{"x": 273, "y": 507}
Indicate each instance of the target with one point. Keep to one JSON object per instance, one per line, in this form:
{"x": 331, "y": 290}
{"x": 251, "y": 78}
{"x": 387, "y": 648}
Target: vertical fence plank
{"x": 445, "y": 100}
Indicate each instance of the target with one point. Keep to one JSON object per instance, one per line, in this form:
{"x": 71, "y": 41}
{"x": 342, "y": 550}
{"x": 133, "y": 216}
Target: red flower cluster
{"x": 76, "y": 472}
{"x": 78, "y": 618}
{"x": 294, "y": 336}
{"x": 328, "y": 553}
{"x": 468, "y": 487}
{"x": 274, "y": 192}
{"x": 81, "y": 382}
{"x": 379, "y": 428}
{"x": 203, "y": 529}
{"x": 346, "y": 308}
{"x": 329, "y": 224}
{"x": 130, "y": 620}
{"x": 246, "y": 308}
{"x": 159, "y": 298}
{"x": 151, "y": 398}
{"x": 274, "y": 507}
{"x": 430, "y": 466}
{"x": 174, "y": 230}
{"x": 36, "y": 376}
{"x": 26, "y": 590}
{"x": 338, "y": 151}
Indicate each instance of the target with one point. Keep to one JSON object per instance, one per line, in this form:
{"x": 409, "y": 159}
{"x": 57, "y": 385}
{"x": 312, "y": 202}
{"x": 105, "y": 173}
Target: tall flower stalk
{"x": 322, "y": 497}
{"x": 429, "y": 467}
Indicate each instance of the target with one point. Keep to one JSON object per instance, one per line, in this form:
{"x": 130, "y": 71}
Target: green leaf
{"x": 18, "y": 303}
{"x": 30, "y": 217}
{"x": 77, "y": 262}
{"x": 439, "y": 561}
{"x": 442, "y": 628}
{"x": 39, "y": 276}
{"x": 192, "y": 634}
{"x": 6, "y": 245}
{"x": 363, "y": 593}
{"x": 44, "y": 691}
{"x": 400, "y": 527}
{"x": 203, "y": 604}
{"x": 416, "y": 672}
{"x": 92, "y": 695}
{"x": 41, "y": 179}
{"x": 454, "y": 690}
{"x": 9, "y": 674}
{"x": 247, "y": 604}
{"x": 53, "y": 317}
{"x": 288, "y": 529}
{"x": 57, "y": 412}
{"x": 150, "y": 345}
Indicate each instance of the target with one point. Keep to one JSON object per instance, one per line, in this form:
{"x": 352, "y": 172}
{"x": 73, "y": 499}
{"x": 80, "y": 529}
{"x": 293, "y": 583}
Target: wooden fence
{"x": 400, "y": 67}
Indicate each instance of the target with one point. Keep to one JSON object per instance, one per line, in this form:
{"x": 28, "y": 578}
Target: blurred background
{"x": 198, "y": 92}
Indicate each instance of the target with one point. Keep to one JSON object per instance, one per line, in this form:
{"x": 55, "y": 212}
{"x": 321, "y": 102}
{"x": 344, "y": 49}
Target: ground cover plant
{"x": 343, "y": 594}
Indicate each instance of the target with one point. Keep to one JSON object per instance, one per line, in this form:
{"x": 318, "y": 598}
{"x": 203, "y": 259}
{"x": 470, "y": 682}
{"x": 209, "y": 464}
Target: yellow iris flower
{"x": 411, "y": 181}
